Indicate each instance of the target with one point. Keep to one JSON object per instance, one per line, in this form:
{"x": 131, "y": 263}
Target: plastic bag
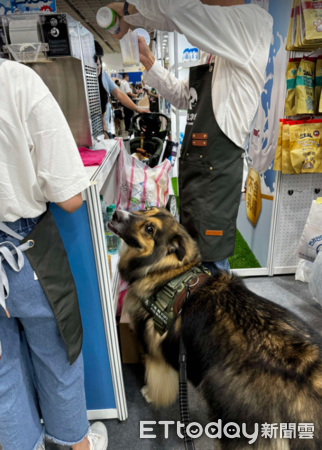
{"x": 291, "y": 74}
{"x": 306, "y": 147}
{"x": 139, "y": 186}
{"x": 312, "y": 12}
{"x": 311, "y": 240}
{"x": 315, "y": 283}
{"x": 286, "y": 155}
{"x": 304, "y": 271}
{"x": 278, "y": 155}
{"x": 304, "y": 91}
{"x": 318, "y": 84}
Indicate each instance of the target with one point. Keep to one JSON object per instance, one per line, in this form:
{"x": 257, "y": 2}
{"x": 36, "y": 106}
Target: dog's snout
{"x": 116, "y": 216}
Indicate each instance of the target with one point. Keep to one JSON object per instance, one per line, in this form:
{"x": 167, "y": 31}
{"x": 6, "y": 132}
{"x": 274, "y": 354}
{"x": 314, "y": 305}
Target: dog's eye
{"x": 149, "y": 229}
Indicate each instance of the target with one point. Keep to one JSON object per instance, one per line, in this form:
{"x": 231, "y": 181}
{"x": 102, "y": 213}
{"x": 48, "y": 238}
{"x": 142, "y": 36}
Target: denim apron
{"x": 210, "y": 173}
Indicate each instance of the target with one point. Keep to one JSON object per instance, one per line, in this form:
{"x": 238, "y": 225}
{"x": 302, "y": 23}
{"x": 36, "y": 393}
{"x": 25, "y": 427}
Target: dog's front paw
{"x": 145, "y": 393}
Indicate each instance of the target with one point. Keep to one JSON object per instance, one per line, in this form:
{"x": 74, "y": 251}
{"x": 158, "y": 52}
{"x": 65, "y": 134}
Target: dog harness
{"x": 166, "y": 304}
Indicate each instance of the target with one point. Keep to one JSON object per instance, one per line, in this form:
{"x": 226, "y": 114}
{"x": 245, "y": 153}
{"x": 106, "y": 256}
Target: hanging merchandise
{"x": 286, "y": 157}
{"x": 305, "y": 26}
{"x": 304, "y": 91}
{"x": 291, "y": 75}
{"x": 290, "y": 28}
{"x": 278, "y": 156}
{"x": 312, "y": 13}
{"x": 305, "y": 147}
{"x": 301, "y": 147}
{"x": 318, "y": 84}
{"x": 311, "y": 241}
{"x": 253, "y": 197}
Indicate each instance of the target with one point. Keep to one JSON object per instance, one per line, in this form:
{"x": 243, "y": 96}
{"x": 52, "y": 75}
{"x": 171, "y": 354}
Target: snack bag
{"x": 291, "y": 74}
{"x": 318, "y": 84}
{"x": 290, "y": 29}
{"x": 304, "y": 91}
{"x": 278, "y": 155}
{"x": 305, "y": 147}
{"x": 312, "y": 12}
{"x": 286, "y": 157}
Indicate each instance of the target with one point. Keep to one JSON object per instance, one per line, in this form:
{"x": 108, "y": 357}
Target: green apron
{"x": 49, "y": 260}
{"x": 210, "y": 174}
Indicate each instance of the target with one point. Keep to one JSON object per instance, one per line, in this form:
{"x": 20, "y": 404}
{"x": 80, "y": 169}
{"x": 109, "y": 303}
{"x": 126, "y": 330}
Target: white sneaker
{"x": 97, "y": 436}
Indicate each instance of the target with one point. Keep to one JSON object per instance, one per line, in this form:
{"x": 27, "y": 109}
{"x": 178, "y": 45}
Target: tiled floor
{"x": 282, "y": 290}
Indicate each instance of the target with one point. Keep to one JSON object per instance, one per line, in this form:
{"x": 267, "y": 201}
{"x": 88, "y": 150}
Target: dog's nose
{"x": 117, "y": 216}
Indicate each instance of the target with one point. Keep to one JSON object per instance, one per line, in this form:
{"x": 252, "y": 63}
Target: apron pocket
{"x": 194, "y": 179}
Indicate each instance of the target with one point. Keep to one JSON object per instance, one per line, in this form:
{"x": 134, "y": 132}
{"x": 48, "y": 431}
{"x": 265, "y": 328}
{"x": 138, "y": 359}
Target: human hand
{"x": 118, "y": 7}
{"x": 143, "y": 111}
{"x": 146, "y": 56}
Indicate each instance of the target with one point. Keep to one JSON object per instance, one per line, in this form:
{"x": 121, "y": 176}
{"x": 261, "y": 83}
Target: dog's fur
{"x": 253, "y": 361}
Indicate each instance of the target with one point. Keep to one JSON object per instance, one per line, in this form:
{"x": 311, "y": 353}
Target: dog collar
{"x": 166, "y": 304}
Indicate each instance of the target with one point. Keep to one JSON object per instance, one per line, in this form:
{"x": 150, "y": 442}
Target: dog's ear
{"x": 177, "y": 247}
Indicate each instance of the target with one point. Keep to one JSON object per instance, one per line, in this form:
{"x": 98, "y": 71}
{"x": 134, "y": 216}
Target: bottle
{"x": 113, "y": 241}
{"x": 103, "y": 205}
{"x": 109, "y": 20}
{"x": 186, "y": 55}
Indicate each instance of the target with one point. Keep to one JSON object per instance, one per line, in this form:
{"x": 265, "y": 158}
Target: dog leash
{"x": 183, "y": 387}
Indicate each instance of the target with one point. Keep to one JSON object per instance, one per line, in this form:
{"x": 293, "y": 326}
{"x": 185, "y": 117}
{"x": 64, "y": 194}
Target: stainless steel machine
{"x": 61, "y": 51}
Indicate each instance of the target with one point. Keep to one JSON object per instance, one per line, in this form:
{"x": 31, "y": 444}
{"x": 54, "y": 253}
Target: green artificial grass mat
{"x": 243, "y": 257}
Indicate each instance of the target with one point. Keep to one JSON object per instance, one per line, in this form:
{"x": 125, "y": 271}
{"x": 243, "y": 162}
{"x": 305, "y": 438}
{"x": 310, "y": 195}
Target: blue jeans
{"x": 36, "y": 379}
{"x": 218, "y": 266}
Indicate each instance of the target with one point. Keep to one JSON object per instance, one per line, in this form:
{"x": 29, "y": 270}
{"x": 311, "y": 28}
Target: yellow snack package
{"x": 305, "y": 147}
{"x": 278, "y": 155}
{"x": 312, "y": 12}
{"x": 304, "y": 91}
{"x": 291, "y": 75}
{"x": 286, "y": 157}
{"x": 290, "y": 29}
{"x": 318, "y": 84}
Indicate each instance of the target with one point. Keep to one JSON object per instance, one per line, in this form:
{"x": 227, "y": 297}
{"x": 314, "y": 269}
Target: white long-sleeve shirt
{"x": 239, "y": 36}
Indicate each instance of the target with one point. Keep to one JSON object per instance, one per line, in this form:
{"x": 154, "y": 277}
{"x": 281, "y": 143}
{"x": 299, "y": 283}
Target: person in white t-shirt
{"x": 221, "y": 94}
{"x": 39, "y": 163}
{"x": 126, "y": 88}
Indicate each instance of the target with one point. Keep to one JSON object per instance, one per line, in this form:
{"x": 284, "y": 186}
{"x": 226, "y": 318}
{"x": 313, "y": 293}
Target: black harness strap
{"x": 183, "y": 387}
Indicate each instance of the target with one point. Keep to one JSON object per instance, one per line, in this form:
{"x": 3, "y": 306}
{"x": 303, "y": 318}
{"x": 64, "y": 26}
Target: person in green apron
{"x": 221, "y": 94}
{"x": 41, "y": 368}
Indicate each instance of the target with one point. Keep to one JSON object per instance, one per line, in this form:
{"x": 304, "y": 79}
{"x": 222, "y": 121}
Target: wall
{"x": 263, "y": 142}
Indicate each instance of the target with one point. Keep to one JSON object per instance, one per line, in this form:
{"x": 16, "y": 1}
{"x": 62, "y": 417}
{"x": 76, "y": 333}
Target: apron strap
{"x": 10, "y": 232}
{"x": 17, "y": 265}
{"x": 7, "y": 255}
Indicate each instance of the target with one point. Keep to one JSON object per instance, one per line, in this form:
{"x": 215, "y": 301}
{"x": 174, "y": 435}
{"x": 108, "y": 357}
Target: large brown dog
{"x": 253, "y": 361}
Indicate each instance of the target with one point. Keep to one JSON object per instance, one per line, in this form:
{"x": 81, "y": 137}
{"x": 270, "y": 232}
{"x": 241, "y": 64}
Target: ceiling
{"x": 85, "y": 11}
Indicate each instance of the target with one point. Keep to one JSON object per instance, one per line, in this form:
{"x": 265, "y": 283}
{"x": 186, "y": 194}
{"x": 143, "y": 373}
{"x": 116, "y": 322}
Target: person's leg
{"x": 218, "y": 266}
{"x": 60, "y": 387}
{"x": 20, "y": 427}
